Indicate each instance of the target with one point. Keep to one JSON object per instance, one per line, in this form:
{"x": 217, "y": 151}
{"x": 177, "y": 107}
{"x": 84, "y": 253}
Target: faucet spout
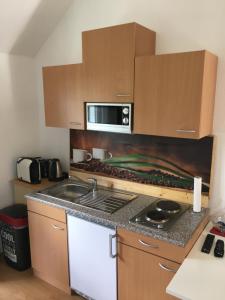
{"x": 94, "y": 184}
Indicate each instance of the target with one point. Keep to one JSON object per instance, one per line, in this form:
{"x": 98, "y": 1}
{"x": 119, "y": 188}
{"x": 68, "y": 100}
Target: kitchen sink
{"x": 102, "y": 199}
{"x": 106, "y": 201}
{"x": 67, "y": 191}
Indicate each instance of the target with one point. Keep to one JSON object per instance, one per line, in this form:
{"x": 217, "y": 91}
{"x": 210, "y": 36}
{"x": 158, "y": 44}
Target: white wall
{"x": 181, "y": 25}
{"x": 18, "y": 118}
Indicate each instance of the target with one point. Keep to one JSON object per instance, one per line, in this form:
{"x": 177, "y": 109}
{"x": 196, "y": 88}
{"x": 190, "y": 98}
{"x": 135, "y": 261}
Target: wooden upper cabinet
{"x": 63, "y": 96}
{"x": 174, "y": 94}
{"x": 108, "y": 56}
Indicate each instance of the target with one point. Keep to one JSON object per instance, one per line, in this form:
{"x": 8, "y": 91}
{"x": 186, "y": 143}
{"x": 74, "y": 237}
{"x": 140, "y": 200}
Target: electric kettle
{"x": 55, "y": 170}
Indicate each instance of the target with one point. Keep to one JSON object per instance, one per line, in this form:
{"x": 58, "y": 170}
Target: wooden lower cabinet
{"x": 49, "y": 252}
{"x": 143, "y": 276}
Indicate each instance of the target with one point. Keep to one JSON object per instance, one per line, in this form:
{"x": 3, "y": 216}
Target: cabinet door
{"x": 54, "y": 81}
{"x": 170, "y": 98}
{"x": 63, "y": 97}
{"x": 142, "y": 275}
{"x": 108, "y": 55}
{"x": 49, "y": 254}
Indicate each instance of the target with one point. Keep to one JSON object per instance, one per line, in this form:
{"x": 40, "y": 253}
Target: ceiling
{"x": 26, "y": 24}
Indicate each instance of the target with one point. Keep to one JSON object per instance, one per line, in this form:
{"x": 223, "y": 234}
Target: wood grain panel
{"x": 52, "y": 212}
{"x": 159, "y": 247}
{"x": 145, "y": 40}
{"x": 108, "y": 55}
{"x": 146, "y": 189}
{"x": 76, "y": 97}
{"x": 63, "y": 96}
{"x": 49, "y": 252}
{"x": 140, "y": 276}
{"x": 54, "y": 83}
{"x": 22, "y": 188}
{"x": 208, "y": 93}
{"x": 25, "y": 286}
{"x": 168, "y": 94}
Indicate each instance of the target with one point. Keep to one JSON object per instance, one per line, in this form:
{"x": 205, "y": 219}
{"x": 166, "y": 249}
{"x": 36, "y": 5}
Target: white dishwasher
{"x": 92, "y": 259}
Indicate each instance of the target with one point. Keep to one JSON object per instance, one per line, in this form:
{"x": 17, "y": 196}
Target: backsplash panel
{"x": 161, "y": 161}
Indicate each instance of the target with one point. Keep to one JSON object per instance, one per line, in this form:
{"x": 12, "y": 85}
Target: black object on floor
{"x": 15, "y": 236}
{"x": 219, "y": 249}
{"x": 208, "y": 243}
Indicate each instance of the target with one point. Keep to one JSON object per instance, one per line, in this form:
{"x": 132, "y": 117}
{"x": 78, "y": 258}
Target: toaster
{"x": 28, "y": 169}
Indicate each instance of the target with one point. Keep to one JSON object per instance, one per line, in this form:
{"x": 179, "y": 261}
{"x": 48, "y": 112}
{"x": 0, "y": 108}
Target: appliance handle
{"x": 75, "y": 123}
{"x": 57, "y": 227}
{"x": 111, "y": 237}
{"x": 166, "y": 268}
{"x": 148, "y": 245}
{"x": 186, "y": 131}
{"x": 30, "y": 158}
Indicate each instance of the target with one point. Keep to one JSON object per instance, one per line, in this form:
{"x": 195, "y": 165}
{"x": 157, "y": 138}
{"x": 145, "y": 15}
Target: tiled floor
{"x": 16, "y": 285}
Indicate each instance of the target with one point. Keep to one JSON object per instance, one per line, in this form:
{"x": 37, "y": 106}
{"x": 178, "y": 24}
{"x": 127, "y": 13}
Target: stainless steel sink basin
{"x": 104, "y": 200}
{"x": 107, "y": 201}
{"x": 67, "y": 191}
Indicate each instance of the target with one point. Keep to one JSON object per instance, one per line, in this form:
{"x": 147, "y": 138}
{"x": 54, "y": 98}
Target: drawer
{"x": 151, "y": 245}
{"x": 52, "y": 212}
{"x": 158, "y": 247}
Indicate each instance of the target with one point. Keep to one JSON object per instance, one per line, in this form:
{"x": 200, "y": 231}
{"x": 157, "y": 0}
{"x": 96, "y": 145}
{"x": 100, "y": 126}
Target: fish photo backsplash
{"x": 154, "y": 160}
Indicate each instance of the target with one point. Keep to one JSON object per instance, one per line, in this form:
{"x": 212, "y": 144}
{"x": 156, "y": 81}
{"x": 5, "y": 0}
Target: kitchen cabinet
{"x": 142, "y": 275}
{"x": 92, "y": 256}
{"x": 108, "y": 56}
{"x": 21, "y": 188}
{"x": 48, "y": 243}
{"x": 146, "y": 265}
{"x": 63, "y": 96}
{"x": 174, "y": 94}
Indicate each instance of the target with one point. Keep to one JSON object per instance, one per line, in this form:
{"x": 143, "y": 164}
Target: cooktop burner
{"x": 156, "y": 217}
{"x": 160, "y": 214}
{"x": 168, "y": 206}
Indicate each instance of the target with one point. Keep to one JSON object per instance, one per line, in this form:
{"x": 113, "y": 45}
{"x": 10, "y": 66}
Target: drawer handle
{"x": 148, "y": 245}
{"x": 186, "y": 131}
{"x": 123, "y": 95}
{"x": 75, "y": 123}
{"x": 166, "y": 268}
{"x": 57, "y": 227}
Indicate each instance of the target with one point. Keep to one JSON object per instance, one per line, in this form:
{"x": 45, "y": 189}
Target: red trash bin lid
{"x": 14, "y": 215}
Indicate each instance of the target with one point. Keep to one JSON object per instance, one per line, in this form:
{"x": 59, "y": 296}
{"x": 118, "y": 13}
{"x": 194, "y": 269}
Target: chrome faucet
{"x": 94, "y": 184}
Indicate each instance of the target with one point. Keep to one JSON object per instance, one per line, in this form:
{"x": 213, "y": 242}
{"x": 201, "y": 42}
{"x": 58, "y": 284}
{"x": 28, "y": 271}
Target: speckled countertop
{"x": 179, "y": 233}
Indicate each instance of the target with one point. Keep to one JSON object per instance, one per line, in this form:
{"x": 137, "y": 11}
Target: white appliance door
{"x": 91, "y": 257}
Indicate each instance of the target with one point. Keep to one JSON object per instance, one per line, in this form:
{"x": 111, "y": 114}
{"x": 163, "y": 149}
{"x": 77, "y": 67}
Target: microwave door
{"x": 108, "y": 115}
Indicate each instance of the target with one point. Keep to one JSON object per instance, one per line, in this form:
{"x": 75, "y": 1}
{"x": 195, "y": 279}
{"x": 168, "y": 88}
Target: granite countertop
{"x": 179, "y": 233}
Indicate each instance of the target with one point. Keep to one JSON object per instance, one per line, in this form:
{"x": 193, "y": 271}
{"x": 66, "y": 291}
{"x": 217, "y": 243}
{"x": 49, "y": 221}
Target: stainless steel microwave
{"x": 113, "y": 117}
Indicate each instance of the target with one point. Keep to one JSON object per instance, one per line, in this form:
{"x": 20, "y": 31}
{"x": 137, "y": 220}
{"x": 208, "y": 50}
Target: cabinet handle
{"x": 123, "y": 95}
{"x": 75, "y": 123}
{"x": 111, "y": 237}
{"x": 186, "y": 131}
{"x": 166, "y": 268}
{"x": 57, "y": 227}
{"x": 148, "y": 245}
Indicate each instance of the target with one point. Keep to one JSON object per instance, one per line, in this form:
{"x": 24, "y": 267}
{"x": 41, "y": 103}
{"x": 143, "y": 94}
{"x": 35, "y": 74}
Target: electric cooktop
{"x": 160, "y": 214}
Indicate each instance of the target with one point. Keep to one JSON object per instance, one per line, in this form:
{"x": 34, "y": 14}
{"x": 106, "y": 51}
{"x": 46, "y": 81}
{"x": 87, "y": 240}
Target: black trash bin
{"x": 15, "y": 236}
